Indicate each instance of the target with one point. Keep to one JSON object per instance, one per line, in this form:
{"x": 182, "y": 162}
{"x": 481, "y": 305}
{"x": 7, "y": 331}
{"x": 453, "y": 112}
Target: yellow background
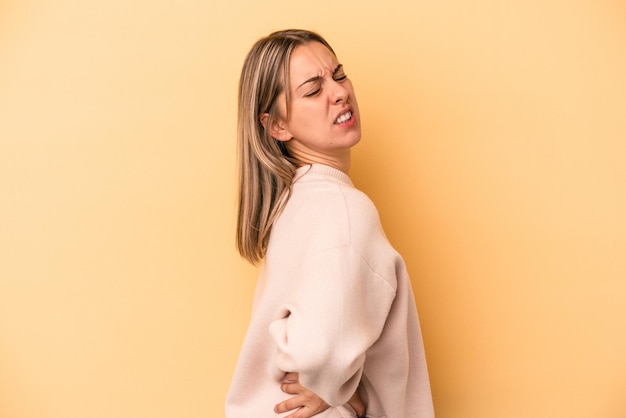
{"x": 494, "y": 147}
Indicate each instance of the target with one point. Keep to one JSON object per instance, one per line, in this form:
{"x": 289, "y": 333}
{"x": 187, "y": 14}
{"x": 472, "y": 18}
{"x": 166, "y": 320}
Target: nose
{"x": 339, "y": 92}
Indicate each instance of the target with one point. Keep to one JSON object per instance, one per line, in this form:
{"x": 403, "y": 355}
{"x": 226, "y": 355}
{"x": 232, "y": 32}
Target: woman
{"x": 334, "y": 321}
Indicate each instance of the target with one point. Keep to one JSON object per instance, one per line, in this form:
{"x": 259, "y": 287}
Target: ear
{"x": 277, "y": 129}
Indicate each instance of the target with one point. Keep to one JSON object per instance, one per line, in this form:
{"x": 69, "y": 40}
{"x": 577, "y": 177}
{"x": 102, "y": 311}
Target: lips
{"x": 344, "y": 117}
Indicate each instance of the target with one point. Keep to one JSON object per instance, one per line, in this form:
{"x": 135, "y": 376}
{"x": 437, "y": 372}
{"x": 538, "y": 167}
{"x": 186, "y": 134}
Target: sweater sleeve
{"x": 325, "y": 327}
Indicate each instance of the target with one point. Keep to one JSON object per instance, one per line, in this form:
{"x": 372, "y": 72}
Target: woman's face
{"x": 323, "y": 119}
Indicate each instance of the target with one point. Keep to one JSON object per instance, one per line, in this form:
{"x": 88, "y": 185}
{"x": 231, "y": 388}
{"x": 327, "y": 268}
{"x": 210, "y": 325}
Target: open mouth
{"x": 344, "y": 117}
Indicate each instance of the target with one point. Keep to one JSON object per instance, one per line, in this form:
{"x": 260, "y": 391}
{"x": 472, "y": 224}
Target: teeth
{"x": 346, "y": 116}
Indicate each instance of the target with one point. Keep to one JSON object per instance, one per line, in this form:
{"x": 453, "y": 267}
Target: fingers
{"x": 288, "y": 405}
{"x": 305, "y": 403}
{"x": 302, "y": 413}
{"x": 292, "y": 388}
{"x": 357, "y": 404}
{"x": 291, "y": 377}
{"x": 291, "y": 384}
{"x": 299, "y": 405}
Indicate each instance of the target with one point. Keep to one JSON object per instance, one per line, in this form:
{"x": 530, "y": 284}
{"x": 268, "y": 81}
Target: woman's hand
{"x": 307, "y": 403}
{"x": 357, "y": 404}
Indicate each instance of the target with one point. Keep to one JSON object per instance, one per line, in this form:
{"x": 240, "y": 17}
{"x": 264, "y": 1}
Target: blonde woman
{"x": 334, "y": 329}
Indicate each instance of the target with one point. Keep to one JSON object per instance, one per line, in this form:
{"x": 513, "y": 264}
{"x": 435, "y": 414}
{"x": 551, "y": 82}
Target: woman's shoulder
{"x": 322, "y": 195}
{"x": 332, "y": 209}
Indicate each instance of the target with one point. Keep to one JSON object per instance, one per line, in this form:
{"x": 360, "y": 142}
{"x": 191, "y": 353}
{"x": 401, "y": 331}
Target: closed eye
{"x": 313, "y": 93}
{"x": 338, "y": 76}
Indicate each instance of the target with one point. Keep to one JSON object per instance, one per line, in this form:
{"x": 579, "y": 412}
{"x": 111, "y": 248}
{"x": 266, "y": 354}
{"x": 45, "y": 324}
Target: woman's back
{"x": 337, "y": 302}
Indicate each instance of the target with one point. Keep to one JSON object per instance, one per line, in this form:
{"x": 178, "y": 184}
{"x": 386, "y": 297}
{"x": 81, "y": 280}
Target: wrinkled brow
{"x": 319, "y": 77}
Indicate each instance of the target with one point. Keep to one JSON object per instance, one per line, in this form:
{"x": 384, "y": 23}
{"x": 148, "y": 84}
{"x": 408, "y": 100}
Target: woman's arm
{"x": 326, "y": 326}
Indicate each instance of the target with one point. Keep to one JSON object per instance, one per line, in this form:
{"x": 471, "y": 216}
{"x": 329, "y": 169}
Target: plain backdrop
{"x": 494, "y": 141}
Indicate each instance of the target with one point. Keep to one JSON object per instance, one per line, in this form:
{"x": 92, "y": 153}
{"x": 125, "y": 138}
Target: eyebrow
{"x": 318, "y": 77}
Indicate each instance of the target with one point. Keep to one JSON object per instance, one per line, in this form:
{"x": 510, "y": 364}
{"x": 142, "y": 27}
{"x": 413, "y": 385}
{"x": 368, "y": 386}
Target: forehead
{"x": 309, "y": 60}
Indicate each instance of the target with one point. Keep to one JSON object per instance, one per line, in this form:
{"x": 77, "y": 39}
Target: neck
{"x": 340, "y": 161}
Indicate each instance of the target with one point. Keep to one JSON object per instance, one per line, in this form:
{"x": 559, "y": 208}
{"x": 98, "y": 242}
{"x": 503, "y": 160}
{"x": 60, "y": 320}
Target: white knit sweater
{"x": 333, "y": 303}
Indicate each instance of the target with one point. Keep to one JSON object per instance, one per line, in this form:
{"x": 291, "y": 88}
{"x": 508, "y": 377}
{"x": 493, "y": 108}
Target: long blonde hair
{"x": 266, "y": 169}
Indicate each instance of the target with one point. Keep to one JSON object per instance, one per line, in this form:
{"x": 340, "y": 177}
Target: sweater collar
{"x": 323, "y": 170}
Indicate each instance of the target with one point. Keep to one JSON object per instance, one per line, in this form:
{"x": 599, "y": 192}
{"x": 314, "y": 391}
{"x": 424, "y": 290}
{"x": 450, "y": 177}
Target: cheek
{"x": 350, "y": 88}
{"x": 308, "y": 116}
{"x": 351, "y": 94}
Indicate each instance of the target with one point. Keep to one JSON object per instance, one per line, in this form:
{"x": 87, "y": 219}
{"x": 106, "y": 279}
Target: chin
{"x": 356, "y": 139}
